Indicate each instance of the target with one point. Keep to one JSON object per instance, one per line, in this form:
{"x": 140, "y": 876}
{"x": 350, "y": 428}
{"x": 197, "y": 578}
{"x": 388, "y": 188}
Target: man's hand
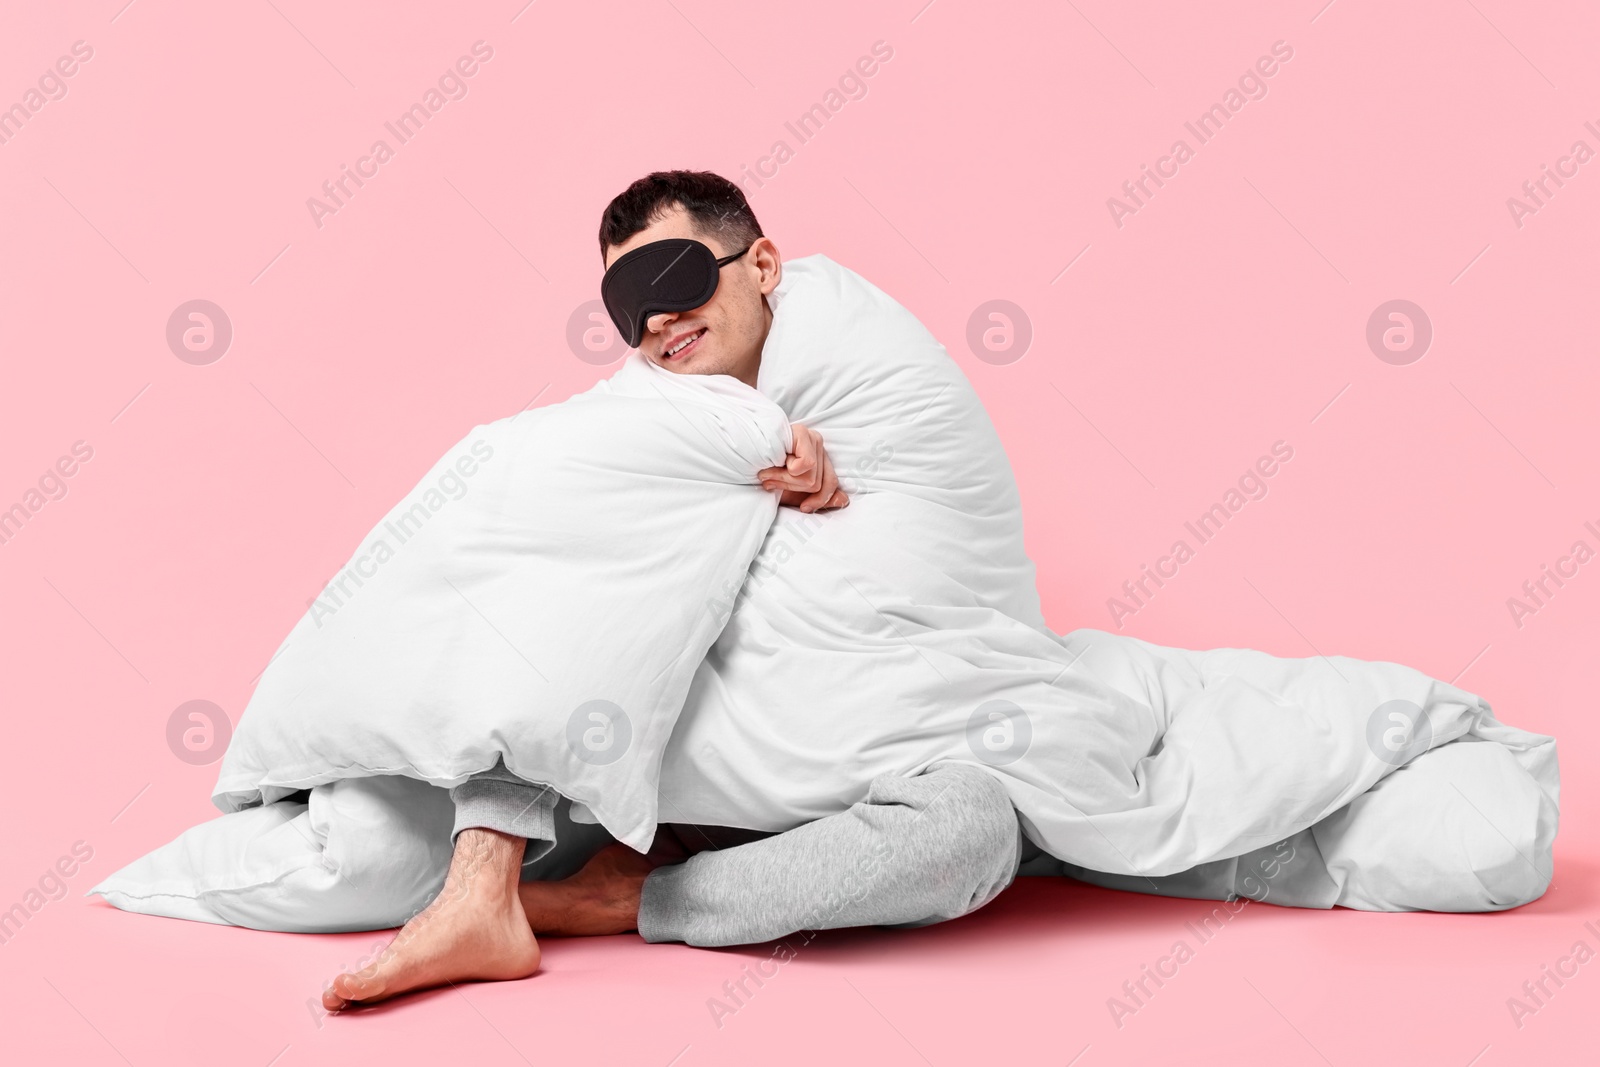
{"x": 807, "y": 480}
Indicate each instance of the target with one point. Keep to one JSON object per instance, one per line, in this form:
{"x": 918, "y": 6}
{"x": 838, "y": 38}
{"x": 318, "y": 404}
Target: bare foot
{"x": 602, "y": 898}
{"x": 475, "y": 929}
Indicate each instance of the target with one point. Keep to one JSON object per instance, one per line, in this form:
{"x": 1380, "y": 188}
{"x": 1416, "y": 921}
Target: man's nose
{"x": 658, "y": 322}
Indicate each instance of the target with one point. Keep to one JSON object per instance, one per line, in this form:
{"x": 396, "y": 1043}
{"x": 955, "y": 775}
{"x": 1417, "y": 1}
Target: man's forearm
{"x": 915, "y": 851}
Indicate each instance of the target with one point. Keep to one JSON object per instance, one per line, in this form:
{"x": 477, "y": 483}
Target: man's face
{"x": 725, "y": 334}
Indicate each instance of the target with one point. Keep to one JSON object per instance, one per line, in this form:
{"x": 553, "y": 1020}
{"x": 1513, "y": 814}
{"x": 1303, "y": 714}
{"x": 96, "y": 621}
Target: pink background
{"x": 1228, "y": 313}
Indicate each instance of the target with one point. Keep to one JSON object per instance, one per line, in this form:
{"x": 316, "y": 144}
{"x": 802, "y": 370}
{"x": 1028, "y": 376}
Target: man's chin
{"x": 693, "y": 364}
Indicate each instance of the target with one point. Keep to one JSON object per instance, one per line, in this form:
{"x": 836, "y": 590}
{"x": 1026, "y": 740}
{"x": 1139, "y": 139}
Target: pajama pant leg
{"x": 496, "y": 799}
{"x": 916, "y": 851}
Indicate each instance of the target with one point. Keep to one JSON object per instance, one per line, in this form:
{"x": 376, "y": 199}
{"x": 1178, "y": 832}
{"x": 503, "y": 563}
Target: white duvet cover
{"x": 905, "y": 631}
{"x": 551, "y": 591}
{"x": 539, "y": 597}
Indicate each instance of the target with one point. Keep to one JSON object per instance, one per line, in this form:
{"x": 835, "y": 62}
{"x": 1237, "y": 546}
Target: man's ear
{"x": 769, "y": 261}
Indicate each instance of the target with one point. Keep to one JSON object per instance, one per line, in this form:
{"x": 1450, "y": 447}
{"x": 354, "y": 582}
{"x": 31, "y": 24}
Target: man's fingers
{"x": 803, "y": 460}
{"x": 807, "y": 475}
{"x": 780, "y": 478}
{"x": 800, "y": 471}
{"x": 807, "y": 481}
{"x": 839, "y": 499}
{"x": 830, "y": 486}
{"x": 773, "y": 478}
{"x": 794, "y": 499}
{"x": 785, "y": 481}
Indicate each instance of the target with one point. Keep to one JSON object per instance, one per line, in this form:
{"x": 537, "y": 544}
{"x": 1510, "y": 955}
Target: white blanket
{"x": 550, "y": 588}
{"x": 539, "y": 597}
{"x": 905, "y": 631}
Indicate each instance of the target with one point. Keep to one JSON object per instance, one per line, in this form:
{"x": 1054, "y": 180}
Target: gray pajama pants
{"x": 915, "y": 851}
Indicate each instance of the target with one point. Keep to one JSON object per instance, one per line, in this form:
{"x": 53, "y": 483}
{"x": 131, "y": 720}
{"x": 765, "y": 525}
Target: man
{"x": 916, "y": 850}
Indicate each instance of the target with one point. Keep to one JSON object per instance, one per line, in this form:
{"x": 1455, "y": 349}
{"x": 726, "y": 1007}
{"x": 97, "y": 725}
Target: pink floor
{"x": 1028, "y": 978}
{"x": 1144, "y": 359}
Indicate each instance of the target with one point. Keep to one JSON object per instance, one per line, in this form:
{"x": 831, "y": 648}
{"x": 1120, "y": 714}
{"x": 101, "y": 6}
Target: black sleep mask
{"x": 677, "y": 274}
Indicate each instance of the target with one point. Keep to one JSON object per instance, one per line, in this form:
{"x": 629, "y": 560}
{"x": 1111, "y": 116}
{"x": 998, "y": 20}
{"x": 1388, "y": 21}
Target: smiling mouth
{"x": 684, "y": 346}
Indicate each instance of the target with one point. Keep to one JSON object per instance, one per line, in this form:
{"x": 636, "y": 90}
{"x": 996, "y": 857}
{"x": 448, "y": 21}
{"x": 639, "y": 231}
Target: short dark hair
{"x": 716, "y": 206}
